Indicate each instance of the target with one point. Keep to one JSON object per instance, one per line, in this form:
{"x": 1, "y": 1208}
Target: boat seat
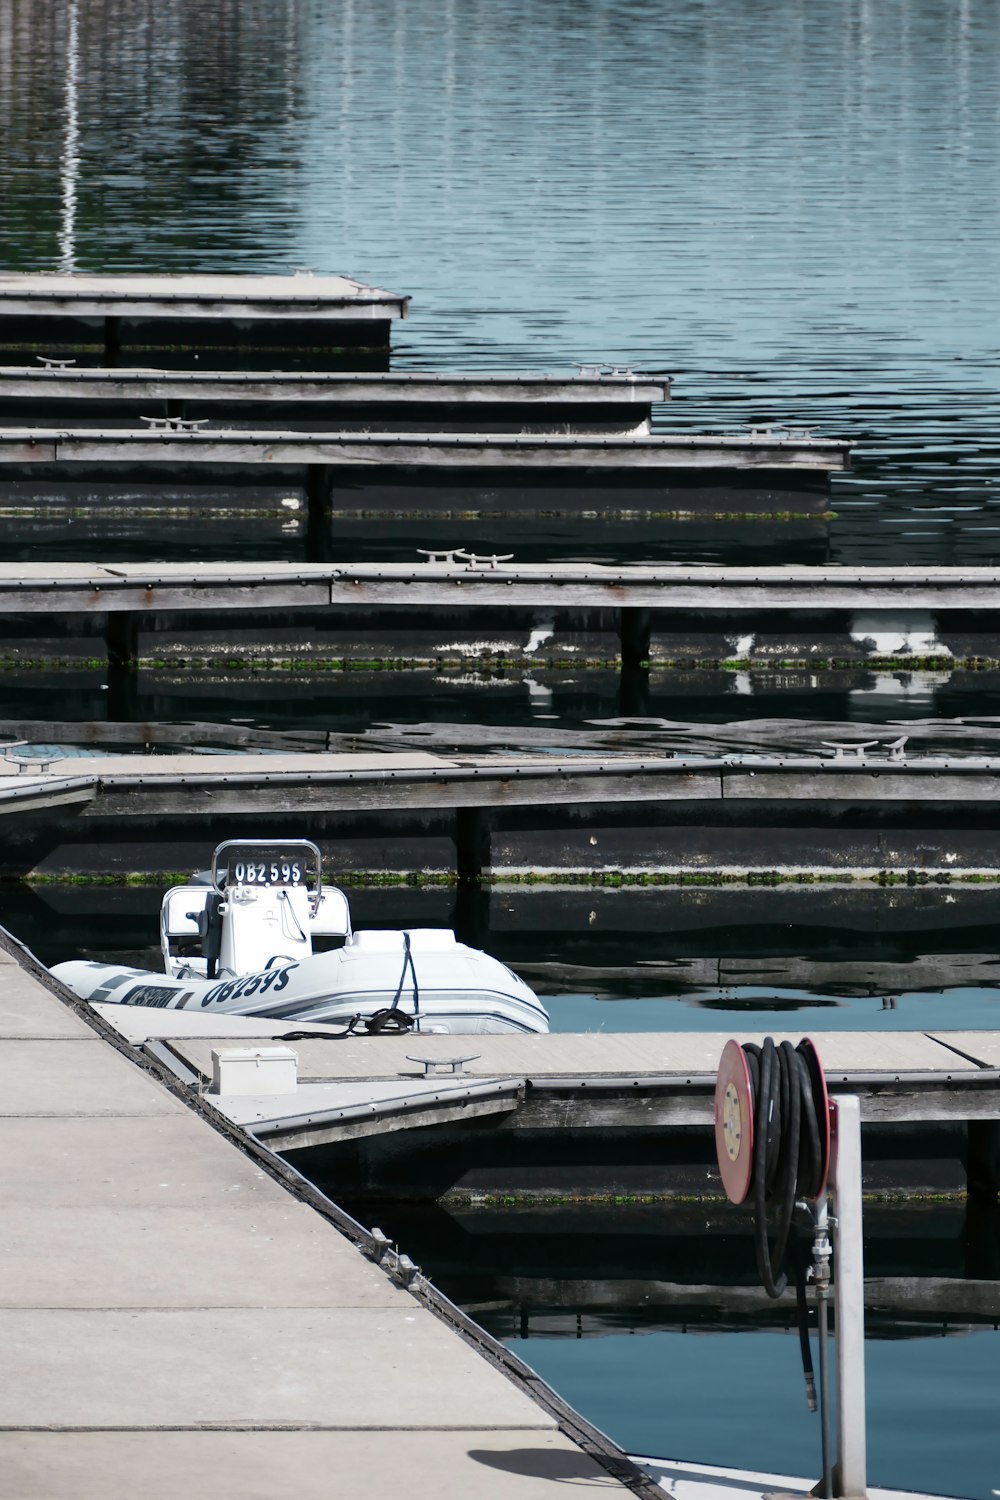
{"x": 333, "y": 918}
{"x": 183, "y": 910}
{"x": 425, "y": 940}
{"x": 431, "y": 939}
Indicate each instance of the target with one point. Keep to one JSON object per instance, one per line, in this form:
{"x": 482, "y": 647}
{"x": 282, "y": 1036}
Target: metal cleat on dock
{"x": 175, "y": 424}
{"x": 449, "y": 1065}
{"x": 380, "y": 1244}
{"x": 855, "y": 749}
{"x": 780, "y": 432}
{"x": 446, "y": 556}
{"x": 849, "y": 750}
{"x": 54, "y": 364}
{"x": 28, "y": 763}
{"x": 405, "y": 1271}
{"x": 484, "y": 563}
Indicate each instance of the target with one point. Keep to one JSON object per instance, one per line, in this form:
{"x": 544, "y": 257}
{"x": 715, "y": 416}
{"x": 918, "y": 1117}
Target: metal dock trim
{"x": 142, "y": 784}
{"x": 660, "y": 452}
{"x": 215, "y": 1323}
{"x": 297, "y": 296}
{"x": 146, "y": 587}
{"x": 284, "y": 385}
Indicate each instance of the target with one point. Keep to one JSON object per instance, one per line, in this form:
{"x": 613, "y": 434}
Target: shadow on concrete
{"x": 543, "y": 1463}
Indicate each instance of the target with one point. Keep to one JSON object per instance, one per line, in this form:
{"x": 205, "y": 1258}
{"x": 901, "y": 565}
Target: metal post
{"x": 849, "y": 1299}
{"x": 822, "y": 1253}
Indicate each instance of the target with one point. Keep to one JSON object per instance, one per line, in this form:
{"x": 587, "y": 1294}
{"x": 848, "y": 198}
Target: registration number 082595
{"x": 266, "y": 872}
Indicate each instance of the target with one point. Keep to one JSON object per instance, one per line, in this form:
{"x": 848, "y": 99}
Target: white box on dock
{"x": 254, "y": 1070}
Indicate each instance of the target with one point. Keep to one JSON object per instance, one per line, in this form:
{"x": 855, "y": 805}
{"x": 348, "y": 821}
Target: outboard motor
{"x": 209, "y": 921}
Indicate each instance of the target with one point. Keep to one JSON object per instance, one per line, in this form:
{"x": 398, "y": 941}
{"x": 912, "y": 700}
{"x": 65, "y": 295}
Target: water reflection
{"x": 793, "y": 209}
{"x": 609, "y": 1302}
{"x": 656, "y": 186}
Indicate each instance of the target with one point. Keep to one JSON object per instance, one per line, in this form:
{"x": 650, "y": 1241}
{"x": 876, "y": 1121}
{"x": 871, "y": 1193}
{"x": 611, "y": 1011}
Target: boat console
{"x": 263, "y": 901}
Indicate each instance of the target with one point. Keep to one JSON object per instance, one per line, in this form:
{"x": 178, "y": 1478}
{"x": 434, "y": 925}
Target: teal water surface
{"x": 791, "y": 207}
{"x": 736, "y": 1399}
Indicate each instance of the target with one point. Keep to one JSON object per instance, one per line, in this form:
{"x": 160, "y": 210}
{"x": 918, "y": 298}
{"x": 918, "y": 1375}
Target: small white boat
{"x": 243, "y": 939}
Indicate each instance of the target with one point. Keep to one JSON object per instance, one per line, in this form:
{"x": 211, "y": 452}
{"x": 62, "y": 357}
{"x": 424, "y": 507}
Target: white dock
{"x": 112, "y": 315}
{"x": 577, "y": 1117}
{"x": 620, "y": 402}
{"x": 662, "y": 452}
{"x": 172, "y": 1309}
{"x": 299, "y": 784}
{"x": 646, "y": 1080}
{"x": 450, "y": 580}
{"x": 307, "y": 296}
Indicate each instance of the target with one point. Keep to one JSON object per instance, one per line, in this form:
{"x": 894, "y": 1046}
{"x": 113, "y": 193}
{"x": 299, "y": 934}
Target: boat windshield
{"x": 268, "y": 862}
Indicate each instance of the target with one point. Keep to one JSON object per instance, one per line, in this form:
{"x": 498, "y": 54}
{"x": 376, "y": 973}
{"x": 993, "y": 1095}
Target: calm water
{"x": 645, "y": 1316}
{"x": 931, "y": 1401}
{"x": 790, "y": 207}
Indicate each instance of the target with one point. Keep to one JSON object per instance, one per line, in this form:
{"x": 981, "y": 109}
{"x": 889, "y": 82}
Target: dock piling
{"x": 121, "y": 634}
{"x": 318, "y": 491}
{"x": 983, "y": 1161}
{"x": 633, "y": 687}
{"x": 472, "y": 844}
{"x": 112, "y": 339}
{"x": 634, "y": 634}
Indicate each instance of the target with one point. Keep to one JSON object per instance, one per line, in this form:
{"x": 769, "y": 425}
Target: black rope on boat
{"x": 320, "y": 1036}
{"x": 407, "y": 964}
{"x": 389, "y": 1018}
{"x": 787, "y": 1165}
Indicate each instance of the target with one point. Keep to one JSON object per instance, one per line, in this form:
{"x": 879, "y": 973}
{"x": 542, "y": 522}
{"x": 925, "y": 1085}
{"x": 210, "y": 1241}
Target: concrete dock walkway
{"x": 175, "y": 1322}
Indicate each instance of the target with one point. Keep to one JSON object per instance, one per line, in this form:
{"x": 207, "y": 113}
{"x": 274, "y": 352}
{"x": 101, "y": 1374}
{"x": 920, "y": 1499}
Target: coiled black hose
{"x": 787, "y": 1154}
{"x": 788, "y": 1164}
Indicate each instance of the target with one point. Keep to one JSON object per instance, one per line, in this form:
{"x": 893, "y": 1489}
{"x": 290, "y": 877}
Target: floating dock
{"x": 115, "y": 318}
{"x": 494, "y": 473}
{"x": 565, "y": 1114}
{"x": 620, "y": 402}
{"x": 677, "y": 614}
{"x": 453, "y": 579}
{"x": 180, "y": 1304}
{"x": 136, "y": 785}
{"x": 41, "y": 445}
{"x": 560, "y": 817}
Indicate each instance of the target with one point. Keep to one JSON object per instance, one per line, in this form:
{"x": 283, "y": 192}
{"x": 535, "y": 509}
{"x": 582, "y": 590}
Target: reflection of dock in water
{"x": 580, "y": 1270}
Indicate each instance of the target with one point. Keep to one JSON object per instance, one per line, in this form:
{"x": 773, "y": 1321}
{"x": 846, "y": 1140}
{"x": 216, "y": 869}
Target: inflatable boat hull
{"x": 442, "y": 987}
